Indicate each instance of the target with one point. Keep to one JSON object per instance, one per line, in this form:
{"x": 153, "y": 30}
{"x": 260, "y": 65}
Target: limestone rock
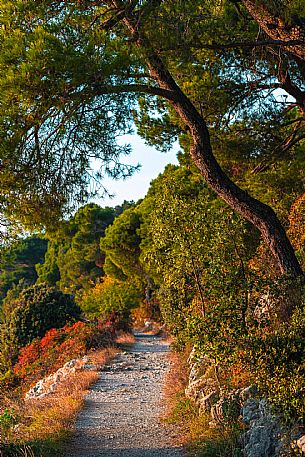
{"x": 250, "y": 411}
{"x": 49, "y": 384}
{"x": 206, "y": 402}
{"x": 259, "y": 442}
{"x": 200, "y": 388}
{"x": 264, "y": 437}
{"x": 201, "y": 384}
{"x": 248, "y": 392}
{"x": 227, "y": 408}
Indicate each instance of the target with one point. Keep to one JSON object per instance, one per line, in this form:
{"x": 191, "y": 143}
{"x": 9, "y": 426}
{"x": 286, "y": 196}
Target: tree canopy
{"x": 74, "y": 260}
{"x": 74, "y": 76}
{"x": 18, "y": 262}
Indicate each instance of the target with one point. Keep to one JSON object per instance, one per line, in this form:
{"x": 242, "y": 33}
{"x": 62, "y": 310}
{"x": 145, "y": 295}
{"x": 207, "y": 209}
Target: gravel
{"x": 123, "y": 411}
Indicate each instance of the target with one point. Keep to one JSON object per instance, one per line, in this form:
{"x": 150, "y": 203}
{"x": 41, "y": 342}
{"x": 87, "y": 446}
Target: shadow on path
{"x": 157, "y": 452}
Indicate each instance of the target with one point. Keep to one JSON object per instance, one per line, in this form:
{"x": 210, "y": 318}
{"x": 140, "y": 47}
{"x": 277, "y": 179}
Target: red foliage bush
{"x": 47, "y": 354}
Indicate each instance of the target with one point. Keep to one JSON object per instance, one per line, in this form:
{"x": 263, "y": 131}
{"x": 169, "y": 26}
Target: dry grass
{"x": 176, "y": 379}
{"x": 178, "y": 408}
{"x": 46, "y": 421}
{"x": 195, "y": 431}
{"x": 125, "y": 338}
{"x": 102, "y": 356}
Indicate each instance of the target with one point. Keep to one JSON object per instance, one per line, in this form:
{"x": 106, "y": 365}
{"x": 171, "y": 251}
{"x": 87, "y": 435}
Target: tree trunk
{"x": 278, "y": 29}
{"x": 260, "y": 215}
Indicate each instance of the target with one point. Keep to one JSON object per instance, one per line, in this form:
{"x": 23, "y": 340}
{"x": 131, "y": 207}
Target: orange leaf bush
{"x": 45, "y": 355}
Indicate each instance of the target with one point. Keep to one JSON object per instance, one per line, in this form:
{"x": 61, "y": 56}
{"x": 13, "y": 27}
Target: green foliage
{"x": 276, "y": 359}
{"x": 36, "y": 310}
{"x": 47, "y": 169}
{"x": 196, "y": 250}
{"x": 70, "y": 86}
{"x": 48, "y": 270}
{"x": 7, "y": 421}
{"x": 18, "y": 262}
{"x": 132, "y": 283}
{"x": 74, "y": 260}
{"x": 111, "y": 296}
{"x": 121, "y": 245}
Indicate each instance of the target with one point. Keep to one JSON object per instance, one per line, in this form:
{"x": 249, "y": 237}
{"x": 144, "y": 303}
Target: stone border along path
{"x": 122, "y": 413}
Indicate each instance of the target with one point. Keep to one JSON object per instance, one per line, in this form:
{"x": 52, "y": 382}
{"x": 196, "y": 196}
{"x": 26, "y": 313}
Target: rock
{"x": 259, "y": 442}
{"x": 89, "y": 366}
{"x": 201, "y": 382}
{"x": 248, "y": 392}
{"x": 198, "y": 366}
{"x": 48, "y": 385}
{"x": 227, "y": 408}
{"x": 301, "y": 443}
{"x": 200, "y": 388}
{"x": 250, "y": 411}
{"x": 265, "y": 435}
{"x": 71, "y": 363}
{"x": 207, "y": 401}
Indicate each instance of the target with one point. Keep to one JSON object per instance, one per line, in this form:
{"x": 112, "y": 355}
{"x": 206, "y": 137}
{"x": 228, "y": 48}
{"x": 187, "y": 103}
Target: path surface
{"x": 122, "y": 412}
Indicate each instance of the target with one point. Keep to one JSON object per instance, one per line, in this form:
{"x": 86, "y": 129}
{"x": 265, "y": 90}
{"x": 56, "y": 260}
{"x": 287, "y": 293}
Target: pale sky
{"x": 153, "y": 162}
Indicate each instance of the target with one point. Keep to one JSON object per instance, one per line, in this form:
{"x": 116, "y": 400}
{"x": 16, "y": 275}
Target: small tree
{"x": 111, "y": 296}
{"x": 34, "y": 312}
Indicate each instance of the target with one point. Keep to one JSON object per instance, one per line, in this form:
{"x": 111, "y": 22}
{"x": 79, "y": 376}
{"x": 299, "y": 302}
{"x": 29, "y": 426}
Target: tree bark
{"x": 260, "y": 215}
{"x": 278, "y": 29}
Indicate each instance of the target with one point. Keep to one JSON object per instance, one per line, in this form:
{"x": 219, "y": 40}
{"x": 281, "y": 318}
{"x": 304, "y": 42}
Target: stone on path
{"x": 122, "y": 413}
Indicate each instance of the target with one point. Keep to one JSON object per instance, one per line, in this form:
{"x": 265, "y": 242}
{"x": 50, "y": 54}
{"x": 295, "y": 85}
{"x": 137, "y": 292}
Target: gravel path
{"x": 122, "y": 413}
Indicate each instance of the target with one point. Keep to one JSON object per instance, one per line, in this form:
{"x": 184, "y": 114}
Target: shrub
{"x": 110, "y": 296}
{"x": 36, "y": 310}
{"x": 276, "y": 359}
{"x": 45, "y": 355}
{"x": 296, "y": 228}
{"x": 7, "y": 421}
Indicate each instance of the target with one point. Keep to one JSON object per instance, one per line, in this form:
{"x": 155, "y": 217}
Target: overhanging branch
{"x": 100, "y": 89}
{"x": 236, "y": 44}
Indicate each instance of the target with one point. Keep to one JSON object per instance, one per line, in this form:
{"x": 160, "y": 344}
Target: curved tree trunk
{"x": 278, "y": 29}
{"x": 260, "y": 215}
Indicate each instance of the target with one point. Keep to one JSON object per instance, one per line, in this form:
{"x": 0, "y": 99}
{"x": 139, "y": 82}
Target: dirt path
{"x": 122, "y": 412}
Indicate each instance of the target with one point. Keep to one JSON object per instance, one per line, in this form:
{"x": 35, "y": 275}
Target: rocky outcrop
{"x": 49, "y": 384}
{"x": 265, "y": 436}
{"x": 301, "y": 444}
{"x": 202, "y": 387}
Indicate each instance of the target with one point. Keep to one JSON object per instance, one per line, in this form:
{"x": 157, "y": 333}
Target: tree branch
{"x": 236, "y": 44}
{"x": 277, "y": 28}
{"x": 100, "y": 89}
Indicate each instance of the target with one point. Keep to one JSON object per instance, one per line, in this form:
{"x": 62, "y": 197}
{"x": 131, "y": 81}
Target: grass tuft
{"x": 125, "y": 338}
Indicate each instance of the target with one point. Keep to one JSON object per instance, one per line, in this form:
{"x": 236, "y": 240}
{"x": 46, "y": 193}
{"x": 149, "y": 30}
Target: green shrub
{"x": 7, "y": 422}
{"x": 276, "y": 358}
{"x": 37, "y": 309}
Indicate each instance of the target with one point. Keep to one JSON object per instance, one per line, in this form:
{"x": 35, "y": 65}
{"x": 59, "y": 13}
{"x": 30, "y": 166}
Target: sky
{"x": 152, "y": 163}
